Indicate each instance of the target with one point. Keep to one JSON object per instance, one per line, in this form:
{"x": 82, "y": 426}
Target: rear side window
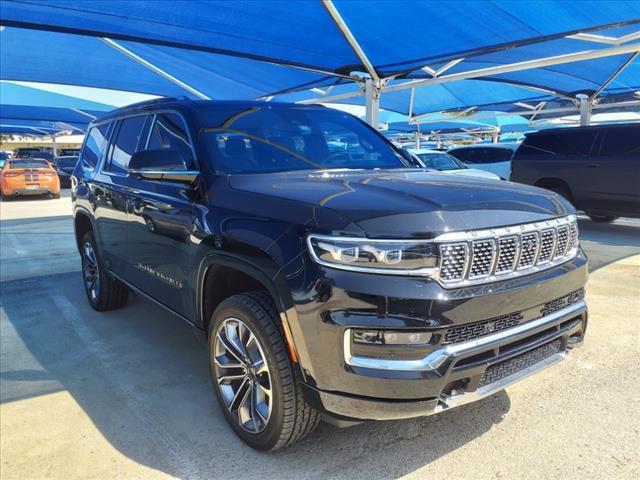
{"x": 553, "y": 144}
{"x": 485, "y": 155}
{"x": 169, "y": 132}
{"x": 94, "y": 146}
{"x": 621, "y": 142}
{"x": 127, "y": 141}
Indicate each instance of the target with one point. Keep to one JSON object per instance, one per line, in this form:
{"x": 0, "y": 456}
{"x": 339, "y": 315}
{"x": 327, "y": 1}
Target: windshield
{"x": 265, "y": 139}
{"x": 440, "y": 161}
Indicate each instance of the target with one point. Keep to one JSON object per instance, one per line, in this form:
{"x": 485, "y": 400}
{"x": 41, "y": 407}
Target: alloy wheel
{"x": 242, "y": 375}
{"x": 90, "y": 271}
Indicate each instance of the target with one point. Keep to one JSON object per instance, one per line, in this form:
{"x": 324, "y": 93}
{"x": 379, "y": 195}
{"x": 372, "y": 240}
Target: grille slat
{"x": 508, "y": 251}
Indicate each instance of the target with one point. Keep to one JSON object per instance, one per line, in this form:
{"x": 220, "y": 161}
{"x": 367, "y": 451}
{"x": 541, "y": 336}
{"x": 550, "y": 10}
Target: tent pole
{"x": 55, "y": 145}
{"x": 417, "y": 139}
{"x": 614, "y": 76}
{"x": 585, "y": 110}
{"x": 353, "y": 43}
{"x": 372, "y": 103}
{"x": 153, "y": 68}
{"x": 520, "y": 66}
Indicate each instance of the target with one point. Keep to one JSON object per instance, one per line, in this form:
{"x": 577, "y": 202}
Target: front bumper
{"x": 350, "y": 386}
{"x": 465, "y": 372}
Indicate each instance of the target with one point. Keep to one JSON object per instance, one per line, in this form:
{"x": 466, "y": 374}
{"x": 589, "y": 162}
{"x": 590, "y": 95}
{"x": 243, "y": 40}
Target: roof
{"x": 565, "y": 129}
{"x": 201, "y": 106}
{"x": 509, "y": 146}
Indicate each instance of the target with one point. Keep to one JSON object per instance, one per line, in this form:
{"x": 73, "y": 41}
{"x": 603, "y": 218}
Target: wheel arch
{"x": 550, "y": 182}
{"x": 82, "y": 223}
{"x": 242, "y": 275}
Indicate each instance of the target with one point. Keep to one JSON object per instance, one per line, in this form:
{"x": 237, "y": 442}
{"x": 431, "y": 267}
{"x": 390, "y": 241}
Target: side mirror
{"x": 161, "y": 164}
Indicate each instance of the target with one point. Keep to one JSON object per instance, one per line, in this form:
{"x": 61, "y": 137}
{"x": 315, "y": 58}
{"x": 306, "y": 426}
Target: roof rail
{"x": 155, "y": 101}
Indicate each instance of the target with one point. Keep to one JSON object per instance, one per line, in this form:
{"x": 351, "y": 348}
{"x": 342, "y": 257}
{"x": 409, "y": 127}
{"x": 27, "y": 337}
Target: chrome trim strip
{"x": 436, "y": 358}
{"x": 452, "y": 401}
{"x": 501, "y": 231}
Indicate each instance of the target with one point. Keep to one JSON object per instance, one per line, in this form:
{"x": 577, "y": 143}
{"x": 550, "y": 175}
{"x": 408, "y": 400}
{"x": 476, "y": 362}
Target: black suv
{"x": 334, "y": 278}
{"x": 596, "y": 168}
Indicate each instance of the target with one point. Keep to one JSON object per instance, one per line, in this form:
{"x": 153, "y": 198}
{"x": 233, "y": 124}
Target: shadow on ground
{"x": 142, "y": 377}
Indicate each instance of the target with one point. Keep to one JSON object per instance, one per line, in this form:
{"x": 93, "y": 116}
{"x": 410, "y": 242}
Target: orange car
{"x": 29, "y": 176}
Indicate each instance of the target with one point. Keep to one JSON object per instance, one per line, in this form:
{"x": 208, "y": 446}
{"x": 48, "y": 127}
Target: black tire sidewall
{"x": 268, "y": 438}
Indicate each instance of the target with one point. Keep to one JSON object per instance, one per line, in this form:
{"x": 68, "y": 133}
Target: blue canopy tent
{"x": 332, "y": 51}
{"x": 42, "y": 111}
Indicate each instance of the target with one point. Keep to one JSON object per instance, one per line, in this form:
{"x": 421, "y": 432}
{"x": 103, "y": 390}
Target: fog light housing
{"x": 389, "y": 337}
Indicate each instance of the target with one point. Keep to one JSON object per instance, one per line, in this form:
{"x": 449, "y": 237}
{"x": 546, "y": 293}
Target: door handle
{"x": 593, "y": 165}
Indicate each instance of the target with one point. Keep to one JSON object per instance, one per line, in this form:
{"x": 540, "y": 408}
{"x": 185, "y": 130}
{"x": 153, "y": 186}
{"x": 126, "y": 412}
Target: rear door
{"x": 616, "y": 171}
{"x": 161, "y": 217}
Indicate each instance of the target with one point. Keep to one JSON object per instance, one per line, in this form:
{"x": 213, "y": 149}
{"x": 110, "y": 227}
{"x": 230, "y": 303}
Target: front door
{"x": 161, "y": 218}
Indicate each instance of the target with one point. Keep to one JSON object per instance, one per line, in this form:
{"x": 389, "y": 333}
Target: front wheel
{"x": 103, "y": 291}
{"x": 601, "y": 218}
{"x": 257, "y": 385}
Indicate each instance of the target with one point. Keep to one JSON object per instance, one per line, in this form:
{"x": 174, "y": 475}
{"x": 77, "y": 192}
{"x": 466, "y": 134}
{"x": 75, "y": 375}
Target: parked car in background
{"x": 44, "y": 153}
{"x": 492, "y": 157}
{"x": 596, "y": 168}
{"x": 444, "y": 162}
{"x": 28, "y": 176}
{"x": 68, "y": 152}
{"x": 65, "y": 166}
{"x": 333, "y": 275}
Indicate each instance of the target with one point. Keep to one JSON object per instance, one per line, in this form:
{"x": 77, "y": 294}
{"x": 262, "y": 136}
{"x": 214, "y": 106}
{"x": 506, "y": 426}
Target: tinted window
{"x": 126, "y": 143}
{"x": 280, "y": 139}
{"x": 621, "y": 142}
{"x": 94, "y": 145}
{"x": 66, "y": 162}
{"x": 169, "y": 132}
{"x": 440, "y": 161}
{"x": 460, "y": 154}
{"x": 577, "y": 142}
{"x": 28, "y": 164}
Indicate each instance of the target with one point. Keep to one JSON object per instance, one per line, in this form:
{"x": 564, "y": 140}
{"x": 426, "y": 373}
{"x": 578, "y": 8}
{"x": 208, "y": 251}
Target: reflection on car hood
{"x": 409, "y": 202}
{"x": 474, "y": 172}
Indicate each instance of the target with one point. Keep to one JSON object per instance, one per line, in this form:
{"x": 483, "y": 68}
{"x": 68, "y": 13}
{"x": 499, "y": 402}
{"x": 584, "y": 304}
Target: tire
{"x": 270, "y": 422}
{"x": 601, "y": 218}
{"x": 55, "y": 196}
{"x": 103, "y": 292}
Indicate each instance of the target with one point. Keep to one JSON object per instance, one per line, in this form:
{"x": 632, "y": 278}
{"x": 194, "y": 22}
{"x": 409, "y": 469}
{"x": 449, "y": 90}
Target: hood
{"x": 409, "y": 203}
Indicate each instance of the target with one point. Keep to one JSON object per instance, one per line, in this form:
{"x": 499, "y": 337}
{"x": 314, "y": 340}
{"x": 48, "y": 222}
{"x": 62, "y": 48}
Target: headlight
{"x": 399, "y": 257}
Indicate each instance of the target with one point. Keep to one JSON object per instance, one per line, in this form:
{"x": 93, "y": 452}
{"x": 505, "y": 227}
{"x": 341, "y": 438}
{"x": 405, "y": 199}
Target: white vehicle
{"x": 444, "y": 162}
{"x": 491, "y": 157}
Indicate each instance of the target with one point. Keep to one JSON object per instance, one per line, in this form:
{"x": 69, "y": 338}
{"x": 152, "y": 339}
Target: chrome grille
{"x": 484, "y": 256}
{"x": 547, "y": 242}
{"x": 453, "y": 261}
{"x": 507, "y": 250}
{"x": 563, "y": 240}
{"x": 529, "y": 244}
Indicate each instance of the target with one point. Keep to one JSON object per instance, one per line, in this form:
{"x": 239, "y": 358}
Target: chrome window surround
{"x": 466, "y": 240}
